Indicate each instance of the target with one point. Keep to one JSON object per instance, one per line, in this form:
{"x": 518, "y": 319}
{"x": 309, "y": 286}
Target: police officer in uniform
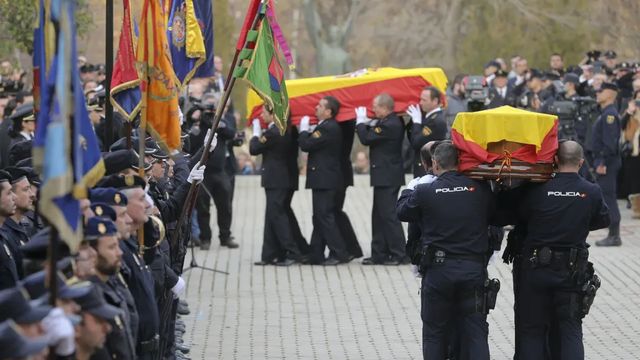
{"x": 278, "y": 178}
{"x": 606, "y": 160}
{"x": 429, "y": 127}
{"x": 8, "y": 270}
{"x": 13, "y": 230}
{"x": 558, "y": 216}
{"x": 384, "y": 138}
{"x": 500, "y": 94}
{"x": 454, "y": 213}
{"x": 325, "y": 178}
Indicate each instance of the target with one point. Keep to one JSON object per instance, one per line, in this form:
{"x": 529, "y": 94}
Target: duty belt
{"x": 150, "y": 345}
{"x": 570, "y": 258}
{"x": 438, "y": 256}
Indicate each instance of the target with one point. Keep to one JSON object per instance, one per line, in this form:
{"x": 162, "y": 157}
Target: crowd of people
{"x": 118, "y": 296}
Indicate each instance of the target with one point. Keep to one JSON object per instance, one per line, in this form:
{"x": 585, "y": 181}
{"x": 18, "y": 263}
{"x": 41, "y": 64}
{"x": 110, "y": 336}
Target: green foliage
{"x": 17, "y": 19}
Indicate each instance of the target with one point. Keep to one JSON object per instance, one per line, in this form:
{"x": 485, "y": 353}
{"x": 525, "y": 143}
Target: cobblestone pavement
{"x": 357, "y": 312}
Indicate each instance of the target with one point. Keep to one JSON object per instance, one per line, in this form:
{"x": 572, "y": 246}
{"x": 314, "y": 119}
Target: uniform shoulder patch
{"x": 426, "y": 131}
{"x": 377, "y": 130}
{"x": 316, "y": 134}
{"x": 262, "y": 139}
{"x": 611, "y": 119}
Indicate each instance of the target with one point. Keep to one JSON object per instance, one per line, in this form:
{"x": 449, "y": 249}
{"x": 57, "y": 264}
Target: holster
{"x": 588, "y": 288}
{"x": 488, "y": 296}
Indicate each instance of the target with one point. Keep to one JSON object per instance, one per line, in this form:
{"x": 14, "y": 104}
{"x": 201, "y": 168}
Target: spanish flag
{"x": 532, "y": 137}
{"x": 160, "y": 115}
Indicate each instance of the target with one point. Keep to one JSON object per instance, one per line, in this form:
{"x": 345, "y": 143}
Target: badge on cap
{"x": 128, "y": 180}
{"x": 117, "y": 199}
{"x": 102, "y": 228}
{"x": 377, "y": 130}
{"x": 316, "y": 134}
{"x": 426, "y": 131}
{"x": 610, "y": 119}
{"x": 99, "y": 211}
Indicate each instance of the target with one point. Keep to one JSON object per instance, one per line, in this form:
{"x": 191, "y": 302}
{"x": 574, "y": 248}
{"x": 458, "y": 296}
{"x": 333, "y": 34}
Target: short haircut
{"x": 555, "y": 54}
{"x": 446, "y": 155}
{"x": 434, "y": 93}
{"x": 570, "y": 153}
{"x": 332, "y": 104}
{"x": 386, "y": 101}
{"x": 426, "y": 152}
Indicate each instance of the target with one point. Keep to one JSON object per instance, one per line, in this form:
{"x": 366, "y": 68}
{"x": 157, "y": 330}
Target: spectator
{"x": 361, "y": 165}
{"x": 455, "y": 100}
{"x": 245, "y": 164}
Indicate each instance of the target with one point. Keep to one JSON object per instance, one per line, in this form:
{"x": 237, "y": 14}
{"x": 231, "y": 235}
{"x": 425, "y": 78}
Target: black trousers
{"x": 345, "y": 227}
{"x": 278, "y": 239}
{"x": 608, "y": 184}
{"x": 326, "y": 232}
{"x": 219, "y": 186}
{"x": 545, "y": 296}
{"x": 388, "y": 239}
{"x": 299, "y": 239}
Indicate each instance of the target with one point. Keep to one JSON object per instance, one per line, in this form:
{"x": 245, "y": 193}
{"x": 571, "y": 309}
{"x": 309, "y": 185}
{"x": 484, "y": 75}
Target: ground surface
{"x": 357, "y": 312}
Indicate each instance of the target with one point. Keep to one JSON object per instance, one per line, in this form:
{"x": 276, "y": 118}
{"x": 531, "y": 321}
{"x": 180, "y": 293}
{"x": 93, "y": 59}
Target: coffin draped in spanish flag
{"x": 354, "y": 89}
{"x": 506, "y": 142}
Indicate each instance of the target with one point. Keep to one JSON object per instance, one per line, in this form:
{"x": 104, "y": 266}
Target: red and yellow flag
{"x": 160, "y": 116}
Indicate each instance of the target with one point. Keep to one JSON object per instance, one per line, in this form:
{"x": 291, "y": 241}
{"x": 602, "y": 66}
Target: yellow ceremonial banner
{"x": 504, "y": 123}
{"x": 160, "y": 116}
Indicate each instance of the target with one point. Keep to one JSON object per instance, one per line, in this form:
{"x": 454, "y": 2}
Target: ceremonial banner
{"x": 160, "y": 115}
{"x": 185, "y": 41}
{"x": 354, "y": 90}
{"x": 65, "y": 148}
{"x": 125, "y": 90}
{"x": 534, "y": 134}
{"x": 204, "y": 16}
{"x": 259, "y": 65}
{"x": 43, "y": 48}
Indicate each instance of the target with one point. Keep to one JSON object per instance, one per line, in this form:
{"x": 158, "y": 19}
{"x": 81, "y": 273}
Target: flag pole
{"x": 108, "y": 135}
{"x": 231, "y": 80}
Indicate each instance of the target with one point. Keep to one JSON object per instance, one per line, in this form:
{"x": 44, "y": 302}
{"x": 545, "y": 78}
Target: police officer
{"x": 606, "y": 157}
{"x": 558, "y": 216}
{"x": 9, "y": 272}
{"x": 325, "y": 178}
{"x": 384, "y": 137}
{"x": 429, "y": 127}
{"x": 500, "y": 94}
{"x": 453, "y": 212}
{"x": 14, "y": 231}
{"x": 278, "y": 178}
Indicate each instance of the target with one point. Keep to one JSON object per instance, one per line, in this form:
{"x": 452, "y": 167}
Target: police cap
{"x": 5, "y": 176}
{"x": 15, "y": 305}
{"x": 610, "y": 54}
{"x": 17, "y": 174}
{"x": 14, "y": 345}
{"x": 534, "y": 73}
{"x": 103, "y": 210}
{"x": 609, "y": 86}
{"x": 37, "y": 286}
{"x": 571, "y": 78}
{"x": 501, "y": 73}
{"x": 108, "y": 196}
{"x": 99, "y": 226}
{"x": 20, "y": 151}
{"x": 36, "y": 248}
{"x": 93, "y": 302}
{"x": 120, "y": 160}
{"x": 122, "y": 182}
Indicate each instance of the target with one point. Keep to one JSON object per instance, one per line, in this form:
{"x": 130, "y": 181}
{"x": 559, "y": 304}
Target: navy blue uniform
{"x": 558, "y": 215}
{"x": 433, "y": 127}
{"x": 604, "y": 148}
{"x": 344, "y": 224}
{"x": 385, "y": 152}
{"x": 16, "y": 236}
{"x": 453, "y": 213}
{"x": 326, "y": 179}
{"x": 8, "y": 272}
{"x": 279, "y": 179}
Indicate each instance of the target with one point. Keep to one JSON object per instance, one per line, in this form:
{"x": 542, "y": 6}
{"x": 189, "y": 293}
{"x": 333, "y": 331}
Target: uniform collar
{"x": 433, "y": 112}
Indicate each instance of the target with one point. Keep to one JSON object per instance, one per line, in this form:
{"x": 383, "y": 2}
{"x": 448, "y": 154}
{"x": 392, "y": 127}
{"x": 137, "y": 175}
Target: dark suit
{"x": 496, "y": 100}
{"x": 433, "y": 127}
{"x": 16, "y": 236}
{"x": 279, "y": 179}
{"x": 346, "y": 229}
{"x": 385, "y": 153}
{"x": 326, "y": 179}
{"x": 8, "y": 272}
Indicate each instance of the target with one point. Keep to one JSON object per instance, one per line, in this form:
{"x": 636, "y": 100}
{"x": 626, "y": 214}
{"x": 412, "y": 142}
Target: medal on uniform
{"x": 316, "y": 134}
{"x": 377, "y": 130}
{"x": 610, "y": 119}
{"x": 426, "y": 131}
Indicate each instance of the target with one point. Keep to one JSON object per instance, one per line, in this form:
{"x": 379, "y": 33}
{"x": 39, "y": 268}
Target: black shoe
{"x": 183, "y": 310}
{"x": 184, "y": 302}
{"x": 195, "y": 241}
{"x": 392, "y": 262}
{"x": 610, "y": 241}
{"x": 180, "y": 329}
{"x": 205, "y": 245}
{"x": 182, "y": 348}
{"x": 331, "y": 262}
{"x": 229, "y": 243}
{"x": 370, "y": 261}
{"x": 286, "y": 262}
{"x": 264, "y": 263}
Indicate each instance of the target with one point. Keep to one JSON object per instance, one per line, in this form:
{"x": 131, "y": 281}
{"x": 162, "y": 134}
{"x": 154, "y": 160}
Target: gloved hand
{"x": 59, "y": 332}
{"x": 214, "y": 142}
{"x": 413, "y": 183}
{"x": 304, "y": 123}
{"x": 178, "y": 288}
{"x": 361, "y": 115}
{"x": 415, "y": 113}
{"x": 197, "y": 173}
{"x": 415, "y": 271}
{"x": 257, "y": 130}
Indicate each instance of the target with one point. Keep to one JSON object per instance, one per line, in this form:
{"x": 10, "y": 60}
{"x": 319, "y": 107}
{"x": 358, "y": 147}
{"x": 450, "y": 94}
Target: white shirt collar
{"x": 433, "y": 111}
{"x": 26, "y": 135}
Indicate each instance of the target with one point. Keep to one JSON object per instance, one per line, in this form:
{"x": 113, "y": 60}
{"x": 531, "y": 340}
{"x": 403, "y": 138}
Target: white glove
{"x": 361, "y": 115}
{"x": 178, "y": 288}
{"x": 415, "y": 271}
{"x": 197, "y": 173}
{"x": 304, "y": 123}
{"x": 257, "y": 130}
{"x": 214, "y": 143}
{"x": 59, "y": 332}
{"x": 415, "y": 113}
{"x": 413, "y": 183}
{"x": 180, "y": 116}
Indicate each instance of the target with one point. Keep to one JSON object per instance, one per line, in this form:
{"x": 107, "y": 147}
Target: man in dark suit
{"x": 325, "y": 178}
{"x": 384, "y": 137}
{"x": 500, "y": 94}
{"x": 429, "y": 127}
{"x": 279, "y": 178}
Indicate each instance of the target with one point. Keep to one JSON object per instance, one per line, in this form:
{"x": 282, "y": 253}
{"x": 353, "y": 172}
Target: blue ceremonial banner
{"x": 184, "y": 35}
{"x": 204, "y": 14}
{"x": 65, "y": 148}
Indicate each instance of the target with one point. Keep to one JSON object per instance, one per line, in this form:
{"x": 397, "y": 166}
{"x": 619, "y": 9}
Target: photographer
{"x": 630, "y": 123}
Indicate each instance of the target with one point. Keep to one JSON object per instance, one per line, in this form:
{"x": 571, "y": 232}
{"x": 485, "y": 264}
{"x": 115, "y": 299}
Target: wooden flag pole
{"x": 108, "y": 129}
